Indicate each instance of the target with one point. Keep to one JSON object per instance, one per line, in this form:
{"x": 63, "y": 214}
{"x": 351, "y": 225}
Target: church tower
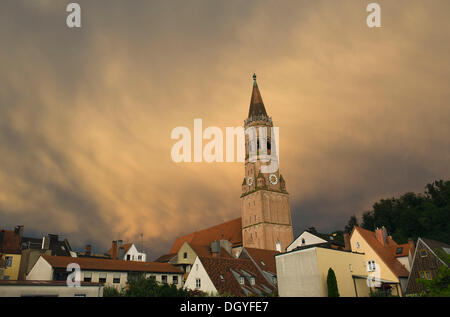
{"x": 265, "y": 209}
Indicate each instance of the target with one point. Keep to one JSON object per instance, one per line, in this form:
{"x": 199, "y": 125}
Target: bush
{"x": 332, "y": 284}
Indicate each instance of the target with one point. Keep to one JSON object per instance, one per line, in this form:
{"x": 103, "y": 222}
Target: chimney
{"x": 382, "y": 236}
{"x": 412, "y": 247}
{"x": 45, "y": 243}
{"x": 215, "y": 248}
{"x": 348, "y": 246}
{"x": 88, "y": 249}
{"x": 226, "y": 245}
{"x": 121, "y": 253}
{"x": 114, "y": 250}
{"x": 19, "y": 230}
{"x": 119, "y": 243}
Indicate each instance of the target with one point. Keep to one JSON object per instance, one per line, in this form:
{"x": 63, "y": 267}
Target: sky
{"x": 86, "y": 113}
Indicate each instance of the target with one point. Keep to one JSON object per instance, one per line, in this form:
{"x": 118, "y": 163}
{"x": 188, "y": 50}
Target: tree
{"x": 439, "y": 286}
{"x": 146, "y": 287}
{"x": 353, "y": 221}
{"x": 332, "y": 284}
{"x": 412, "y": 215}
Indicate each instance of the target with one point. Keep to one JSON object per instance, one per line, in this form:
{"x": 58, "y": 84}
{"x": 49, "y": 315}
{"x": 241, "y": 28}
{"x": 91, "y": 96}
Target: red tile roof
{"x": 386, "y": 253}
{"x": 265, "y": 259}
{"x": 165, "y": 258}
{"x": 9, "y": 242}
{"x": 205, "y": 250}
{"x": 405, "y": 250}
{"x": 217, "y": 267}
{"x": 230, "y": 230}
{"x": 111, "y": 265}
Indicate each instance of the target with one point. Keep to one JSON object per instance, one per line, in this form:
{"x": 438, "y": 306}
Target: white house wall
{"x": 41, "y": 271}
{"x": 309, "y": 239}
{"x": 198, "y": 271}
{"x": 298, "y": 274}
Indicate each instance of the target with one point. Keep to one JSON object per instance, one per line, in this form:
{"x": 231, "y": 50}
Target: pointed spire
{"x": 256, "y": 103}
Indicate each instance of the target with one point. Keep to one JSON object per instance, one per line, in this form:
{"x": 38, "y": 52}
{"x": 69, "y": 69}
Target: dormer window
{"x": 241, "y": 280}
{"x": 252, "y": 280}
{"x": 264, "y": 264}
{"x": 399, "y": 250}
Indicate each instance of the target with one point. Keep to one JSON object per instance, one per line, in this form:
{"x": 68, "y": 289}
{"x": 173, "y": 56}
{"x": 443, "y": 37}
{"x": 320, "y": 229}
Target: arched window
{"x": 303, "y": 241}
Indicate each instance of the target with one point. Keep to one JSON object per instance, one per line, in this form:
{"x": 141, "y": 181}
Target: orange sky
{"x": 86, "y": 114}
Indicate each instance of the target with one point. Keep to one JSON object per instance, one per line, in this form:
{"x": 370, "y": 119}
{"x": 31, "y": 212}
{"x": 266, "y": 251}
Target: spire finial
{"x": 254, "y": 79}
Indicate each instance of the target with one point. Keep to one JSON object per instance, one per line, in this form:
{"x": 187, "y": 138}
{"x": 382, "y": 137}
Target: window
{"x": 422, "y": 274}
{"x": 399, "y": 250}
{"x": 428, "y": 275}
{"x": 252, "y": 280}
{"x": 185, "y": 255}
{"x": 198, "y": 283}
{"x": 102, "y": 278}
{"x": 87, "y": 277}
{"x": 357, "y": 245}
{"x": 241, "y": 280}
{"x": 350, "y": 268}
{"x": 128, "y": 257}
{"x": 303, "y": 241}
{"x": 164, "y": 279}
{"x": 116, "y": 278}
{"x": 8, "y": 260}
{"x": 264, "y": 264}
{"x": 423, "y": 253}
{"x": 425, "y": 275}
{"x": 175, "y": 279}
{"x": 221, "y": 278}
{"x": 274, "y": 279}
{"x": 6, "y": 277}
{"x": 371, "y": 266}
{"x": 139, "y": 257}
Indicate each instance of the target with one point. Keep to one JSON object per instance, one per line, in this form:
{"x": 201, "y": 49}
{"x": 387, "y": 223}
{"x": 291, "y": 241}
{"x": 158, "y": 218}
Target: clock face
{"x": 273, "y": 179}
{"x": 250, "y": 181}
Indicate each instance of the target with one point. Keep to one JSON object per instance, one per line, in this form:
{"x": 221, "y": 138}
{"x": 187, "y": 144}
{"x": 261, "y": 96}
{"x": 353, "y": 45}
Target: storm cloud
{"x": 86, "y": 114}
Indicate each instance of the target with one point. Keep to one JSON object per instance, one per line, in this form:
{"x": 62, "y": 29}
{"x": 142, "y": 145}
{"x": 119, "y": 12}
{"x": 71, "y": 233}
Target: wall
{"x": 344, "y": 265}
{"x": 60, "y": 291}
{"x": 198, "y": 271}
{"x": 384, "y": 271}
{"x": 298, "y": 274}
{"x": 134, "y": 254}
{"x": 309, "y": 239}
{"x": 13, "y": 270}
{"x": 41, "y": 271}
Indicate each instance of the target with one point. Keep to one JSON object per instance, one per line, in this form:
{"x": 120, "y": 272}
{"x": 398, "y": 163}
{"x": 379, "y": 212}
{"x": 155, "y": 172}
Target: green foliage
{"x": 353, "y": 221}
{"x": 439, "y": 286}
{"x": 413, "y": 215}
{"x": 332, "y": 284}
{"x": 147, "y": 287}
{"x": 109, "y": 291}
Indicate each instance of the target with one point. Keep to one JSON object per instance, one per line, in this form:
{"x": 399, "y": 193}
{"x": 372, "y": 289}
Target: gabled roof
{"x": 125, "y": 247}
{"x": 443, "y": 249}
{"x": 97, "y": 264}
{"x": 256, "y": 103}
{"x": 205, "y": 250}
{"x": 386, "y": 253}
{"x": 401, "y": 250}
{"x": 225, "y": 273}
{"x": 265, "y": 259}
{"x": 230, "y": 230}
{"x": 165, "y": 258}
{"x": 9, "y": 242}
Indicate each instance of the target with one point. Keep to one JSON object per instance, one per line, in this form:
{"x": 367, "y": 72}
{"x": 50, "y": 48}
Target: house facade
{"x": 115, "y": 273}
{"x": 49, "y": 289}
{"x": 380, "y": 252}
{"x": 303, "y": 272}
{"x": 429, "y": 256}
{"x": 235, "y": 277}
{"x": 10, "y": 252}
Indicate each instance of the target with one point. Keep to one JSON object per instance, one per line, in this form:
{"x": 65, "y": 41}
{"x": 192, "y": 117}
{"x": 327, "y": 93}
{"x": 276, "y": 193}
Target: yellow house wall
{"x": 344, "y": 265}
{"x": 191, "y": 255}
{"x": 369, "y": 254}
{"x": 13, "y": 270}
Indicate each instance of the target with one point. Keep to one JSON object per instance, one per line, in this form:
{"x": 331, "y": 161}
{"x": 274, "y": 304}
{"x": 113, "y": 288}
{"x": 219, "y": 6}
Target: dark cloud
{"x": 86, "y": 115}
